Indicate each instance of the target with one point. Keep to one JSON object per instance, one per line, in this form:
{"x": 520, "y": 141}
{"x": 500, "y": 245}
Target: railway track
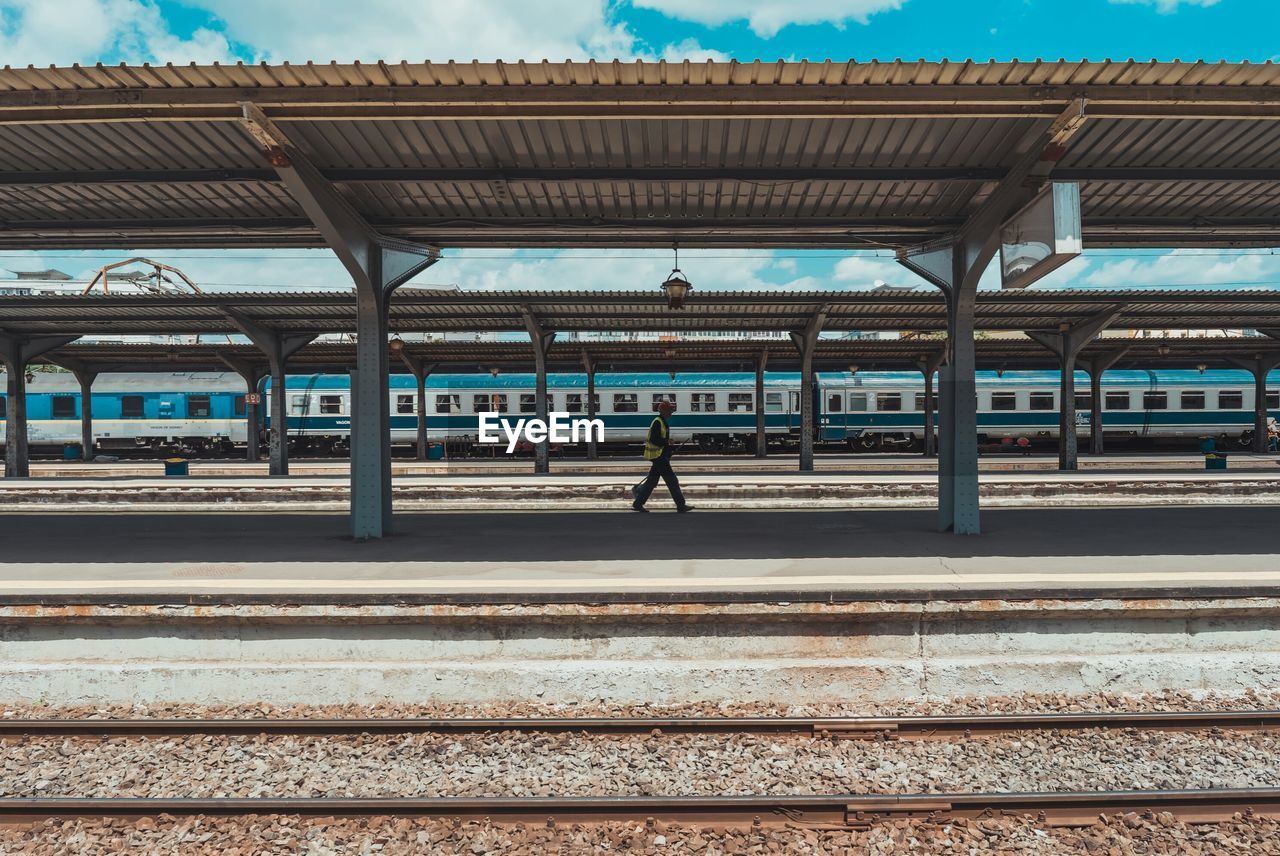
{"x": 851, "y": 727}
{"x": 1065, "y": 808}
{"x": 1053, "y": 808}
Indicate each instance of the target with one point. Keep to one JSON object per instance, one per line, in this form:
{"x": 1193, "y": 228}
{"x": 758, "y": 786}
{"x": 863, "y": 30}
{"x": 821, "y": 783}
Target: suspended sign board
{"x": 1041, "y": 237}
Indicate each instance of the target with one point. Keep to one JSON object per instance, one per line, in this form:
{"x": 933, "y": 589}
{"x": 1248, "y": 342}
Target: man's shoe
{"x": 639, "y": 508}
{"x": 684, "y": 509}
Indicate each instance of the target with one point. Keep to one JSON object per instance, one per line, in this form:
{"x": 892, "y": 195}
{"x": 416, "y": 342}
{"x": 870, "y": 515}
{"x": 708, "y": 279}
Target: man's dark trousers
{"x": 661, "y": 469}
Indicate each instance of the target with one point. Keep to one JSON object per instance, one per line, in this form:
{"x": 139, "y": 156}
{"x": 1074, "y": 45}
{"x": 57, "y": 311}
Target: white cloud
{"x": 690, "y": 49}
{"x": 625, "y": 269}
{"x": 39, "y": 32}
{"x": 861, "y": 271}
{"x": 767, "y": 17}
{"x": 1165, "y": 7}
{"x": 396, "y": 30}
{"x": 1202, "y": 268}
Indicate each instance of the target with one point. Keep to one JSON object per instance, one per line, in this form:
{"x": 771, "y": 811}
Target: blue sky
{"x": 61, "y": 32}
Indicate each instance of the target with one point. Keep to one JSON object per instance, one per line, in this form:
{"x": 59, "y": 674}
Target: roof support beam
{"x": 806, "y": 341}
{"x": 16, "y": 352}
{"x": 277, "y": 347}
{"x": 1259, "y": 365}
{"x": 541, "y": 339}
{"x": 955, "y": 265}
{"x": 252, "y": 374}
{"x": 420, "y": 369}
{"x": 589, "y": 366}
{"x": 1066, "y": 344}
{"x": 1096, "y": 365}
{"x": 928, "y": 365}
{"x": 377, "y": 265}
{"x": 762, "y": 428}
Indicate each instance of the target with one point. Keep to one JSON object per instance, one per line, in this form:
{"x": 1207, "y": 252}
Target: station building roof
{"x": 439, "y": 311}
{"x": 633, "y": 153}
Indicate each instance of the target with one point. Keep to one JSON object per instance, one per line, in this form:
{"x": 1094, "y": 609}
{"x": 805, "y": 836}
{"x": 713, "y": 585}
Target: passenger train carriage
{"x": 204, "y": 413}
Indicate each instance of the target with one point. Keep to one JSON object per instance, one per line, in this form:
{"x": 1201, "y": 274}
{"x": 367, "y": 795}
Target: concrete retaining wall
{"x": 780, "y": 653}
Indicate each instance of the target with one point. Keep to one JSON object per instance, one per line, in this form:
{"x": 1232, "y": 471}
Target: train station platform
{"x": 601, "y": 556}
{"x": 882, "y": 463}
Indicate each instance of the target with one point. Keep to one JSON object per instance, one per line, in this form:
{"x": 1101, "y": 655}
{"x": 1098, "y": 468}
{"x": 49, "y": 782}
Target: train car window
{"x": 495, "y": 402}
{"x": 197, "y": 407}
{"x": 238, "y": 406}
{"x": 888, "y": 401}
{"x": 1155, "y": 400}
{"x": 625, "y": 402}
{"x": 332, "y": 404}
{"x": 1273, "y": 399}
{"x": 1192, "y": 400}
{"x": 658, "y": 398}
{"x": 703, "y": 402}
{"x": 574, "y": 402}
{"x": 528, "y": 403}
{"x": 448, "y": 404}
{"x": 404, "y": 403}
{"x": 773, "y": 402}
{"x": 1004, "y": 401}
{"x": 1116, "y": 401}
{"x": 1230, "y": 399}
{"x": 740, "y": 402}
{"x": 857, "y": 402}
{"x": 131, "y": 406}
{"x": 1041, "y": 401}
{"x": 835, "y": 402}
{"x": 64, "y": 407}
{"x": 299, "y": 404}
{"x": 1084, "y": 401}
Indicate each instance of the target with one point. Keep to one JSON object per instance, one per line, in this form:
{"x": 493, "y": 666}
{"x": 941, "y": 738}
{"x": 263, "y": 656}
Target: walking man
{"x": 657, "y": 448}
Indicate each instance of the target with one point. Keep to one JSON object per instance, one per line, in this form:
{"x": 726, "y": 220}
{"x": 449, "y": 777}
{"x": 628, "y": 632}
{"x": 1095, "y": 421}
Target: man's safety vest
{"x": 651, "y": 451}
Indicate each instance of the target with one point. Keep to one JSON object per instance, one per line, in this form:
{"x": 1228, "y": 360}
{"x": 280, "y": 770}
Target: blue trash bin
{"x": 70, "y": 453}
{"x": 435, "y": 451}
{"x": 175, "y": 467}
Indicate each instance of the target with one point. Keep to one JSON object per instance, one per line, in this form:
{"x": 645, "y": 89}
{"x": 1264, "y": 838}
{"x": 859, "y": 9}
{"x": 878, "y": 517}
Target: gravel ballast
{"x": 521, "y": 764}
{"x": 1157, "y": 835}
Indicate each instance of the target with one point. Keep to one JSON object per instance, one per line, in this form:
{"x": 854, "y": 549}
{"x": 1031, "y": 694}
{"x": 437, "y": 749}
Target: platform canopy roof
{"x": 612, "y": 153}
{"x": 439, "y": 311}
{"x": 662, "y": 356}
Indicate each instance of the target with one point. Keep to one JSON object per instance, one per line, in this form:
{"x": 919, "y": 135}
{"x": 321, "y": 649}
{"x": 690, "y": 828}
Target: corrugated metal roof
{"x": 605, "y": 73}
{"x": 598, "y": 153}
{"x": 429, "y": 310}
{"x": 700, "y": 355}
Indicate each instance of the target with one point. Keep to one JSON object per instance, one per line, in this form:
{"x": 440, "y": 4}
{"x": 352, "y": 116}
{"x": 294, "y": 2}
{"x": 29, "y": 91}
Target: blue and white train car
{"x": 180, "y": 412}
{"x": 716, "y": 410}
{"x": 886, "y": 409}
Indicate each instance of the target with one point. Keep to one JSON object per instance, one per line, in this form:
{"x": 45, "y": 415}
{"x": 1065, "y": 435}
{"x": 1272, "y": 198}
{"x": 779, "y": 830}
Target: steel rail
{"x": 865, "y": 727}
{"x": 1064, "y": 808}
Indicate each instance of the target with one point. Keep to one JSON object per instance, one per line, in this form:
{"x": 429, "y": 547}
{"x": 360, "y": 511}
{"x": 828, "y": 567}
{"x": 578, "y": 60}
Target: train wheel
{"x": 1245, "y": 439}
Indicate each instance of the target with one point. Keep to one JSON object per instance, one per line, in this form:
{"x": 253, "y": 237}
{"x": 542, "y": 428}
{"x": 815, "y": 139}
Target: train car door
{"x": 793, "y": 411}
{"x": 832, "y": 416}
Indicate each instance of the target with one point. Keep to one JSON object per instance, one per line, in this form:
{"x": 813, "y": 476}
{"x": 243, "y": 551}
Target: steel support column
{"x": 928, "y": 365}
{"x": 86, "y": 377}
{"x": 16, "y": 352}
{"x": 589, "y": 366}
{"x": 1095, "y": 366}
{"x": 377, "y": 265}
{"x": 1066, "y": 344}
{"x": 762, "y": 427}
{"x": 252, "y": 374}
{"x": 277, "y": 347}
{"x": 955, "y": 265}
{"x": 541, "y": 340}
{"x": 421, "y": 370}
{"x": 1259, "y": 365}
{"x": 806, "y": 342}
